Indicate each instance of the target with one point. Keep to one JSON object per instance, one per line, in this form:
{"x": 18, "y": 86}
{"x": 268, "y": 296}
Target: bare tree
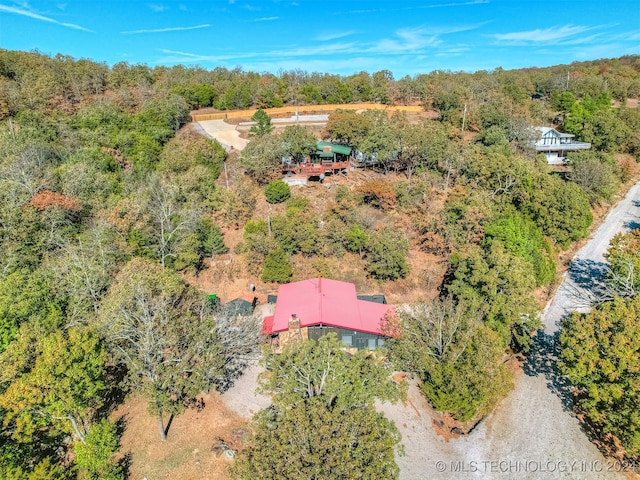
{"x": 440, "y": 329}
{"x": 156, "y": 327}
{"x": 170, "y": 221}
{"x": 239, "y": 337}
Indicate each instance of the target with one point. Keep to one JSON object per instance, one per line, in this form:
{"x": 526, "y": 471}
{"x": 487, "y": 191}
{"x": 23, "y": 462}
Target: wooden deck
{"x": 315, "y": 170}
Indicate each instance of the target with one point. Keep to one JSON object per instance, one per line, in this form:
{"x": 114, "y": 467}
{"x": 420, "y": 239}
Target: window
{"x": 347, "y": 339}
{"x": 372, "y": 344}
{"x": 380, "y": 342}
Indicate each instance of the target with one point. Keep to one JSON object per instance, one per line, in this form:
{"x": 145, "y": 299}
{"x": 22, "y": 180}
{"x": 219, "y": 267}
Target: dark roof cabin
{"x": 240, "y": 306}
{"x": 327, "y": 158}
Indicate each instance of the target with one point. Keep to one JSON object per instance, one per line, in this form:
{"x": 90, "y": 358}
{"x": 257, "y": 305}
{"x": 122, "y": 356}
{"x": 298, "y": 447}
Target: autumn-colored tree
{"x": 378, "y": 192}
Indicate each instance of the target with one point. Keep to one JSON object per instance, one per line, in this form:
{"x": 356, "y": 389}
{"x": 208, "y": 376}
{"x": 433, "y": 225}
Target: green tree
{"x": 277, "y": 191}
{"x": 262, "y": 158}
{"x": 346, "y": 127}
{"x": 499, "y": 285}
{"x": 387, "y": 255}
{"x": 523, "y": 238}
{"x": 53, "y": 379}
{"x": 381, "y": 140}
{"x": 277, "y": 267}
{"x": 189, "y": 149}
{"x": 600, "y": 354}
{"x": 560, "y": 208}
{"x": 26, "y": 296}
{"x": 262, "y": 124}
{"x": 156, "y": 326}
{"x": 94, "y": 456}
{"x": 299, "y": 141}
{"x": 323, "y": 423}
{"x": 596, "y": 173}
{"x": 356, "y": 239}
{"x": 458, "y": 359}
{"x": 204, "y": 242}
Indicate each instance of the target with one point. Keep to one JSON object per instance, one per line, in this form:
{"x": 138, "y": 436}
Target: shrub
{"x": 277, "y": 191}
{"x": 378, "y": 193}
{"x": 276, "y": 267}
{"x": 387, "y": 255}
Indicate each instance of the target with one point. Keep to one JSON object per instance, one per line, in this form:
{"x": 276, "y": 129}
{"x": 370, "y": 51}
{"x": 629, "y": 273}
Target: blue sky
{"x": 344, "y": 37}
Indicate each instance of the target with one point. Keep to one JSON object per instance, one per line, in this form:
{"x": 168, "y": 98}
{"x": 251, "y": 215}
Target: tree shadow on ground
{"x": 587, "y": 273}
{"x": 232, "y": 372}
{"x": 632, "y": 224}
{"x": 543, "y": 360}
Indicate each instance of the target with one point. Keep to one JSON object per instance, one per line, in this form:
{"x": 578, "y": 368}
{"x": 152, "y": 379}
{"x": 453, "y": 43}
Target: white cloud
{"x": 158, "y": 8}
{"x": 35, "y": 16}
{"x": 413, "y": 7}
{"x": 407, "y": 41}
{"x": 163, "y": 30}
{"x": 540, "y": 35}
{"x": 334, "y": 36}
{"x": 416, "y": 39}
{"x": 265, "y": 19}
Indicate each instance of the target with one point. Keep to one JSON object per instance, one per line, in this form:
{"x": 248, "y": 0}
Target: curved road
{"x": 532, "y": 434}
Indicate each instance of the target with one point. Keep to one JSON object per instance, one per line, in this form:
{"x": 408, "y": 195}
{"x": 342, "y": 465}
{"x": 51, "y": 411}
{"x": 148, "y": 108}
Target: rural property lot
{"x": 532, "y": 434}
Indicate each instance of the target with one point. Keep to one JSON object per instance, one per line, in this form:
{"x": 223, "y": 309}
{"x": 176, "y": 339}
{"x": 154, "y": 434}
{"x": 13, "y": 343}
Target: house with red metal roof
{"x": 317, "y": 306}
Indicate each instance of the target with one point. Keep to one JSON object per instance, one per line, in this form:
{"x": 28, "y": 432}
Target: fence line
{"x": 292, "y": 110}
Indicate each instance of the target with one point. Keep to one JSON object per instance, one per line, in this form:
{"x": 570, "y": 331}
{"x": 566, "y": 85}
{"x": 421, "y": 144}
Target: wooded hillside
{"x": 112, "y": 209}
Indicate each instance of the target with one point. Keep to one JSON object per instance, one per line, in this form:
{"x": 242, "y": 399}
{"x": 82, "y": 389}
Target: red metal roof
{"x": 320, "y": 301}
{"x": 267, "y": 325}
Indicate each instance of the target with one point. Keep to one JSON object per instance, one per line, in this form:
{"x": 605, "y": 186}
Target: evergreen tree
{"x": 262, "y": 124}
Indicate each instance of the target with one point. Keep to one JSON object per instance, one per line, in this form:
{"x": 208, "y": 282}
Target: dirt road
{"x": 532, "y": 434}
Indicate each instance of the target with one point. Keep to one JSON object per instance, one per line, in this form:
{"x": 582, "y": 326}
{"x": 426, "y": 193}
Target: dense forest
{"x": 111, "y": 203}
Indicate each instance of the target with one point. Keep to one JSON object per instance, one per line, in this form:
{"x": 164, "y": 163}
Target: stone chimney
{"x": 294, "y": 323}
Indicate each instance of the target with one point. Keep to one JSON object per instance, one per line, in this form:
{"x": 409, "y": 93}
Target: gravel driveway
{"x": 224, "y": 132}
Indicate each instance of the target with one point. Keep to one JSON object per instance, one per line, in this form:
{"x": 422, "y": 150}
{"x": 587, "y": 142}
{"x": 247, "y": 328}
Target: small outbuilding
{"x": 241, "y": 307}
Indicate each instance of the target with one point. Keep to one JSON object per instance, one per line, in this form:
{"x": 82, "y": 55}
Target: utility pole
{"x": 464, "y": 116}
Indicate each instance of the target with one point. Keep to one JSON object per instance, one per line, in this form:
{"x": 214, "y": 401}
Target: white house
{"x": 555, "y": 145}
